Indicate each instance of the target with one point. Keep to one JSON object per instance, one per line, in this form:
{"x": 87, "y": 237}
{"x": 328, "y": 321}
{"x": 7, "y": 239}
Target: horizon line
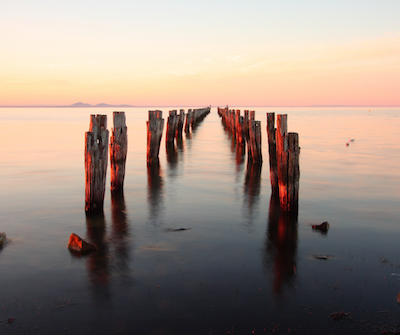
{"x": 142, "y": 106}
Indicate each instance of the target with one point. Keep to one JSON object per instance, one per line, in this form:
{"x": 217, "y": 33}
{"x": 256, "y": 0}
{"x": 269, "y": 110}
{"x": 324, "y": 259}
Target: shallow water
{"x": 240, "y": 267}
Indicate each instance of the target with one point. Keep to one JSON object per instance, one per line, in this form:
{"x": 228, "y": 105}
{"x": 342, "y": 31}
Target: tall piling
{"x": 96, "y": 157}
{"x": 273, "y": 168}
{"x": 118, "y": 151}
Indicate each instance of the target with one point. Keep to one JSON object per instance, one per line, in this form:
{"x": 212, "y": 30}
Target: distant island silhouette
{"x": 103, "y": 105}
{"x": 75, "y": 105}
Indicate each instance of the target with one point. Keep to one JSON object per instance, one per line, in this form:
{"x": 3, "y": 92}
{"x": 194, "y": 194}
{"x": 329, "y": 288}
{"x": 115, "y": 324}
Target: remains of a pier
{"x": 244, "y": 129}
{"x": 195, "y": 116}
{"x": 284, "y": 154}
{"x": 118, "y": 151}
{"x": 96, "y": 156}
{"x": 174, "y": 126}
{"x": 155, "y": 126}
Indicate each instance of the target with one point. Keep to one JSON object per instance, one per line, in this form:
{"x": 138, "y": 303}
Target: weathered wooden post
{"x": 254, "y": 143}
{"x": 287, "y": 176}
{"x": 293, "y": 171}
{"x": 246, "y": 124}
{"x": 172, "y": 125}
{"x": 155, "y": 127}
{"x": 118, "y": 151}
{"x": 273, "y": 168}
{"x": 188, "y": 123}
{"x": 232, "y": 121}
{"x": 282, "y": 159}
{"x": 96, "y": 156}
{"x": 181, "y": 121}
{"x": 240, "y": 136}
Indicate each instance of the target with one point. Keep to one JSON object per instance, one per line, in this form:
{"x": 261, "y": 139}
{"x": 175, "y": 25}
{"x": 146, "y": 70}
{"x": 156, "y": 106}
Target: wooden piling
{"x": 273, "y": 168}
{"x": 118, "y": 151}
{"x": 172, "y": 126}
{"x": 282, "y": 160}
{"x": 240, "y": 134}
{"x": 181, "y": 121}
{"x": 96, "y": 157}
{"x": 254, "y": 143}
{"x": 188, "y": 121}
{"x": 246, "y": 124}
{"x": 232, "y": 121}
{"x": 293, "y": 170}
{"x": 155, "y": 127}
{"x": 287, "y": 153}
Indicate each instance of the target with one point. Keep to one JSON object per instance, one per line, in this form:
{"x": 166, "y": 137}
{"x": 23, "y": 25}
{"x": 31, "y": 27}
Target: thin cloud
{"x": 62, "y": 64}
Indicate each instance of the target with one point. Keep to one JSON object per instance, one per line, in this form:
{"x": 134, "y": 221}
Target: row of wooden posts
{"x": 96, "y": 158}
{"x": 245, "y": 129}
{"x": 284, "y": 157}
{"x": 283, "y": 148}
{"x": 175, "y": 123}
{"x": 96, "y": 149}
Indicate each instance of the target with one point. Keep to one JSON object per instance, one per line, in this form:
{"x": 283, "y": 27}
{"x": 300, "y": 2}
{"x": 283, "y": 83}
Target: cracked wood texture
{"x": 96, "y": 157}
{"x": 118, "y": 151}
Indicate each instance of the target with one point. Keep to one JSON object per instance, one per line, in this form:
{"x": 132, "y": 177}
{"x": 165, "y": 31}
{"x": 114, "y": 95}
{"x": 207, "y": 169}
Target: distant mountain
{"x": 80, "y": 104}
{"x": 107, "y": 105}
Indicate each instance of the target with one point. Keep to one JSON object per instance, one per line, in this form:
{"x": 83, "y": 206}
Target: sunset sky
{"x": 243, "y": 53}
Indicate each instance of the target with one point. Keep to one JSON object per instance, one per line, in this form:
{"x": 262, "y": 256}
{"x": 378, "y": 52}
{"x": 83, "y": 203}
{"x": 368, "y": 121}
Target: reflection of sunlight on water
{"x": 213, "y": 273}
{"x": 280, "y": 247}
{"x": 154, "y": 192}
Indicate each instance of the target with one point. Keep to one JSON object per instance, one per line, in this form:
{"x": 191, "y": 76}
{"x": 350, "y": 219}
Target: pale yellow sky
{"x": 182, "y": 54}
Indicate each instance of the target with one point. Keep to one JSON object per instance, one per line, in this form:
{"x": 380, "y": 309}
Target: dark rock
{"x": 78, "y": 244}
{"x": 324, "y": 226}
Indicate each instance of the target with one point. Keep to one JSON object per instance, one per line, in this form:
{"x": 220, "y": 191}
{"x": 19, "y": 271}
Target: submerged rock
{"x": 3, "y": 239}
{"x": 78, "y": 244}
{"x": 324, "y": 226}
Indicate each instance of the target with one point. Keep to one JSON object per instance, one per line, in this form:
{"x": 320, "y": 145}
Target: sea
{"x": 198, "y": 245}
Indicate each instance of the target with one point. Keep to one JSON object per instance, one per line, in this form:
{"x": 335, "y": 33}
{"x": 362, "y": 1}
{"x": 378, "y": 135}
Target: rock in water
{"x": 3, "y": 239}
{"x": 324, "y": 226}
{"x": 78, "y": 244}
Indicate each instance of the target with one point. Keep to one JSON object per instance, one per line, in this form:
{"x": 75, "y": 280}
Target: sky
{"x": 198, "y": 53}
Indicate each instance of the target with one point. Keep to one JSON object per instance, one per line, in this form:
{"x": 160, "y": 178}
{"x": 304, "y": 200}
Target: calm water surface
{"x": 241, "y": 267}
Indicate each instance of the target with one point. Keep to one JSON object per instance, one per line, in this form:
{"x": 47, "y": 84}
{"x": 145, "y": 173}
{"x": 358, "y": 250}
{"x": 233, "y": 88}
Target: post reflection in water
{"x": 154, "y": 191}
{"x": 252, "y": 188}
{"x": 172, "y": 155}
{"x": 97, "y": 262}
{"x": 120, "y": 234}
{"x": 240, "y": 154}
{"x": 280, "y": 247}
